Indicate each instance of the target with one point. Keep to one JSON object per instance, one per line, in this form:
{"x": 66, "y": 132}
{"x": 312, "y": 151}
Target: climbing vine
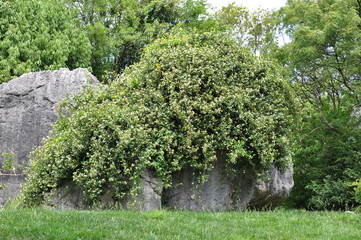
{"x": 191, "y": 96}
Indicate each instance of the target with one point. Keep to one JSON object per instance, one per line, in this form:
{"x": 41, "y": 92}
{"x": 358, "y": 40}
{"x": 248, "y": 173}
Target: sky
{"x": 252, "y": 4}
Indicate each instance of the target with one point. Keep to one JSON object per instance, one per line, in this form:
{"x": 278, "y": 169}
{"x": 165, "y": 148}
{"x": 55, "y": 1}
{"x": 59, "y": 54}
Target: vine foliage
{"x": 190, "y": 96}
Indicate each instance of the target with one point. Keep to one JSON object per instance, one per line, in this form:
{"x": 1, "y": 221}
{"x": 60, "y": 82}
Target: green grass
{"x": 47, "y": 224}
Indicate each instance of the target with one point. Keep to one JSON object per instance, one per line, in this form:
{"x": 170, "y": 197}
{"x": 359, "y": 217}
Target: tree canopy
{"x": 323, "y": 59}
{"x": 324, "y": 54}
{"x": 39, "y": 35}
{"x": 257, "y": 30}
{"x": 119, "y": 29}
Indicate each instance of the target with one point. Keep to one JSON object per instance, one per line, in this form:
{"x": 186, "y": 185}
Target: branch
{"x": 314, "y": 130}
{"x": 12, "y": 174}
{"x": 344, "y": 78}
{"x": 330, "y": 127}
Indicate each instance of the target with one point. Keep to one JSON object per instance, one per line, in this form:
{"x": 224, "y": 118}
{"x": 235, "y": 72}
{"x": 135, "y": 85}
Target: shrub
{"x": 325, "y": 162}
{"x": 357, "y": 189}
{"x": 190, "y": 96}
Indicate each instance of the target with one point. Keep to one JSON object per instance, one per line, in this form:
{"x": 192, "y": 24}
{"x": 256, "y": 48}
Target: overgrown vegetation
{"x": 190, "y": 97}
{"x": 186, "y": 100}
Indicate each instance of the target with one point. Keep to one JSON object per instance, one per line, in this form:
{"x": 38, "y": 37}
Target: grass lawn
{"x": 282, "y": 224}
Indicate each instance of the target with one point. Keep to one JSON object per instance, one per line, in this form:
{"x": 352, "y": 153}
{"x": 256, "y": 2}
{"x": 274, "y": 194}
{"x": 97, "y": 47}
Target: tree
{"x": 39, "y": 35}
{"x": 324, "y": 62}
{"x": 120, "y": 29}
{"x": 325, "y": 50}
{"x": 190, "y": 96}
{"x": 257, "y": 29}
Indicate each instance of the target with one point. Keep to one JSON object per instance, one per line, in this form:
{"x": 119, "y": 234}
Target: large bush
{"x": 189, "y": 97}
{"x": 39, "y": 35}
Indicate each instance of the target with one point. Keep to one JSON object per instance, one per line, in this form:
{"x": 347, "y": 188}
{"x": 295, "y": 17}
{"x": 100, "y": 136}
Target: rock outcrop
{"x": 225, "y": 190}
{"x": 27, "y": 109}
{"x": 70, "y": 196}
{"x": 272, "y": 191}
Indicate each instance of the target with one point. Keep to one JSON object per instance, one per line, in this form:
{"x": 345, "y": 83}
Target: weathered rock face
{"x": 222, "y": 191}
{"x": 149, "y": 196}
{"x": 226, "y": 191}
{"x": 27, "y": 108}
{"x": 70, "y": 196}
{"x": 272, "y": 191}
{"x": 214, "y": 194}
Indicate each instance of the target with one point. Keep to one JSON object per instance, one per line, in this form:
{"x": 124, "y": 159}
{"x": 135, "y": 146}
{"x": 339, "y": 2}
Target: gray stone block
{"x": 27, "y": 110}
{"x": 225, "y": 190}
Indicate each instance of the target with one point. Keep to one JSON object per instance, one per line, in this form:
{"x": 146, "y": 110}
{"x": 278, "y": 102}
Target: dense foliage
{"x": 323, "y": 59}
{"x": 39, "y": 35}
{"x": 326, "y": 163}
{"x": 119, "y": 29}
{"x": 192, "y": 96}
{"x": 357, "y": 188}
{"x": 257, "y": 29}
{"x": 189, "y": 98}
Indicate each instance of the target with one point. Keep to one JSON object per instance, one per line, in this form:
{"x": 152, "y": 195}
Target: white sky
{"x": 252, "y": 4}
